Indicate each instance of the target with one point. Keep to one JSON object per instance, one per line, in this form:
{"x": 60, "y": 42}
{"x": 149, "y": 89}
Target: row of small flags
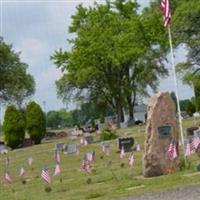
{"x": 86, "y": 165}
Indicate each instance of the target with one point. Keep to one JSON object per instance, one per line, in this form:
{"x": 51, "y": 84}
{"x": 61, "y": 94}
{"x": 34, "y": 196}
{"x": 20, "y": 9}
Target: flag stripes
{"x": 166, "y": 12}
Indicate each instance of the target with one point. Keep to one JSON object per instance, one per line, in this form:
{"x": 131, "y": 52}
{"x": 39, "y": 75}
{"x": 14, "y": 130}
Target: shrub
{"x": 13, "y": 126}
{"x": 35, "y": 122}
{"x": 108, "y": 134}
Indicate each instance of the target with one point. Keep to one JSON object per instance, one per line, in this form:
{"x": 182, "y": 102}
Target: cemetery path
{"x": 186, "y": 193}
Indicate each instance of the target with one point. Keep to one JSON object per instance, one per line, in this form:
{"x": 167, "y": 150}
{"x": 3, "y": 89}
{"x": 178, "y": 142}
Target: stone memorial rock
{"x": 160, "y": 130}
{"x": 127, "y": 143}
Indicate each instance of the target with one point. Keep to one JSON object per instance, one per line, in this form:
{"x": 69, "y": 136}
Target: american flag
{"x": 30, "y": 160}
{"x": 85, "y": 142}
{"x": 57, "y": 156}
{"x": 22, "y": 171}
{"x": 196, "y": 142}
{"x": 122, "y": 153}
{"x": 86, "y": 166}
{"x": 166, "y": 12}
{"x": 171, "y": 152}
{"x": 131, "y": 160}
{"x": 190, "y": 148}
{"x": 57, "y": 170}
{"x": 7, "y": 178}
{"x": 138, "y": 147}
{"x": 45, "y": 175}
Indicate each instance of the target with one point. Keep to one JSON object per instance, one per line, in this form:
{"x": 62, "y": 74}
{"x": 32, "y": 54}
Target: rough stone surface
{"x": 161, "y": 112}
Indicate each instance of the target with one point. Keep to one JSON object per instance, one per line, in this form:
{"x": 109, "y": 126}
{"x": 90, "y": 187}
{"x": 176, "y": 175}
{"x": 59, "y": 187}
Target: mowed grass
{"x": 108, "y": 181}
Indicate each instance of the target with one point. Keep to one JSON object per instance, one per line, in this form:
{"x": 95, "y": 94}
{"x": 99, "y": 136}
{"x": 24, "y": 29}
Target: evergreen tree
{"x": 13, "y": 126}
{"x": 35, "y": 121}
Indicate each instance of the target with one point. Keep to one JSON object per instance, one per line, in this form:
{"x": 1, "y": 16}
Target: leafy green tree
{"x": 189, "y": 108}
{"x": 35, "y": 122}
{"x": 116, "y": 55}
{"x": 13, "y": 126}
{"x": 186, "y": 33}
{"x": 15, "y": 83}
{"x": 60, "y": 118}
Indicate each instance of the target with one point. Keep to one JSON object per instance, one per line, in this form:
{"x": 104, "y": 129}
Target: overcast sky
{"x": 37, "y": 29}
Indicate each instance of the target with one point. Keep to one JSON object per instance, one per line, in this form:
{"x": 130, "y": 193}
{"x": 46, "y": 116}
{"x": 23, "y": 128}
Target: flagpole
{"x": 176, "y": 92}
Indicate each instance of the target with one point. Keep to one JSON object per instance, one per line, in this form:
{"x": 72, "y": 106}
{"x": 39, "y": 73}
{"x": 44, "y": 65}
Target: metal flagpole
{"x": 176, "y": 92}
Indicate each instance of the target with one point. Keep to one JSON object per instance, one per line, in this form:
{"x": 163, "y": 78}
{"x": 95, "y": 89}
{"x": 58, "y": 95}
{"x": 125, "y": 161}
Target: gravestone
{"x": 197, "y": 133}
{"x": 89, "y": 139}
{"x": 127, "y": 143}
{"x": 161, "y": 128}
{"x": 59, "y": 146}
{"x": 190, "y": 131}
{"x": 71, "y": 148}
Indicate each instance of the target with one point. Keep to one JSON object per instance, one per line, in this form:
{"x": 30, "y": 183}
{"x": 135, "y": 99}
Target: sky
{"x": 37, "y": 28}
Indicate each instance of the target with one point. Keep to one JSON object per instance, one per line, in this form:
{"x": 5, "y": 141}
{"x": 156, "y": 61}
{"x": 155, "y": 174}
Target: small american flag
{"x": 30, "y": 160}
{"x": 166, "y": 12}
{"x": 86, "y": 166}
{"x": 85, "y": 142}
{"x": 171, "y": 152}
{"x": 7, "y": 178}
{"x": 190, "y": 148}
{"x": 22, "y": 171}
{"x": 138, "y": 147}
{"x": 57, "y": 156}
{"x": 122, "y": 153}
{"x": 57, "y": 170}
{"x": 196, "y": 142}
{"x": 131, "y": 160}
{"x": 45, "y": 175}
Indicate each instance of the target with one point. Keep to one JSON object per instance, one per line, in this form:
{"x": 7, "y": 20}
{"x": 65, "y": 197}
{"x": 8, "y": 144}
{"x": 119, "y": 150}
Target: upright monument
{"x": 161, "y": 129}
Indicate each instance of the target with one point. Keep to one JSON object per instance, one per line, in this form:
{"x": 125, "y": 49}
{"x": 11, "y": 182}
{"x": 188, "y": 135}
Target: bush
{"x": 35, "y": 122}
{"x": 108, "y": 134}
{"x": 13, "y": 126}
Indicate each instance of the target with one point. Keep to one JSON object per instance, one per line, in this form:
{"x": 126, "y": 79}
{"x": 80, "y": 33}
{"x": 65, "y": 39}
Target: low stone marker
{"x": 59, "y": 146}
{"x": 160, "y": 130}
{"x": 127, "y": 143}
{"x": 70, "y": 148}
{"x": 89, "y": 139}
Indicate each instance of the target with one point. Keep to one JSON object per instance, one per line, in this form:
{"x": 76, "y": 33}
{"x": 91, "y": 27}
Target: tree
{"x": 15, "y": 83}
{"x": 13, "y": 127}
{"x": 35, "y": 122}
{"x": 116, "y": 55}
{"x": 60, "y": 118}
{"x": 189, "y": 108}
{"x": 186, "y": 33}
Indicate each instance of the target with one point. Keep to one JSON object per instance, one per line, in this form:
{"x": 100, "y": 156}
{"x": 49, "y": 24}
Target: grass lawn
{"x": 107, "y": 181}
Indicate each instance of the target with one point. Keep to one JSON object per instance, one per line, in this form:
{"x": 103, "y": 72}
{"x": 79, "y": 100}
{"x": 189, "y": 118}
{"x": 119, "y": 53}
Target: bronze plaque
{"x": 164, "y": 131}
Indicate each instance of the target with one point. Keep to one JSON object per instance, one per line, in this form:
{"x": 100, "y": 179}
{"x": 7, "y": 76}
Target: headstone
{"x": 71, "y": 148}
{"x": 89, "y": 139}
{"x": 59, "y": 146}
{"x": 127, "y": 143}
{"x": 3, "y": 149}
{"x": 161, "y": 128}
{"x": 197, "y": 133}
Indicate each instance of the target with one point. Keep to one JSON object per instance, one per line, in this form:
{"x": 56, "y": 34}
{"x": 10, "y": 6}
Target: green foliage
{"x": 35, "y": 122}
{"x": 59, "y": 119}
{"x": 15, "y": 83}
{"x": 13, "y": 126}
{"x": 189, "y": 108}
{"x": 117, "y": 54}
{"x": 108, "y": 134}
